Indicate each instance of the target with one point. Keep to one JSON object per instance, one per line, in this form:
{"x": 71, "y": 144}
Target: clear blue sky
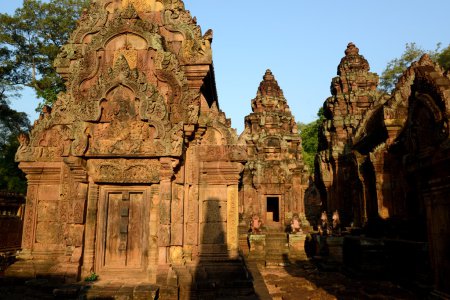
{"x": 302, "y": 42}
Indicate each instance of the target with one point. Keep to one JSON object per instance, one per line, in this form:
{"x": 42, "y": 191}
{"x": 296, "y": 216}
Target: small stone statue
{"x": 336, "y": 225}
{"x": 296, "y": 224}
{"x": 255, "y": 224}
{"x": 324, "y": 228}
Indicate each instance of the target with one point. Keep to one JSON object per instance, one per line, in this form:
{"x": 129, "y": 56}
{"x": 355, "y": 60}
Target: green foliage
{"x": 9, "y": 76}
{"x": 91, "y": 277}
{"x": 309, "y": 134}
{"x": 11, "y": 177}
{"x": 30, "y": 41}
{"x": 397, "y": 66}
{"x": 444, "y": 58}
{"x": 11, "y": 124}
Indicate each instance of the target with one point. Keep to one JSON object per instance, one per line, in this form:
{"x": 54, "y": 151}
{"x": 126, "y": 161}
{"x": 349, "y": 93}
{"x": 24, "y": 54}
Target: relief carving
{"x": 124, "y": 171}
{"x": 28, "y": 226}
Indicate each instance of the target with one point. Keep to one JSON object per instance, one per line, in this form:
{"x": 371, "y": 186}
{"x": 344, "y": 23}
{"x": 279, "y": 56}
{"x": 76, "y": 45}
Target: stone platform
{"x": 276, "y": 248}
{"x": 299, "y": 280}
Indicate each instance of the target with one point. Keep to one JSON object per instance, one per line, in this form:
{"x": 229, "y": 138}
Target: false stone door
{"x": 122, "y": 236}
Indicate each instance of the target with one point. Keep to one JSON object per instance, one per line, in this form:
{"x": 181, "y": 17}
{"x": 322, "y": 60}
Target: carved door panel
{"x": 122, "y": 234}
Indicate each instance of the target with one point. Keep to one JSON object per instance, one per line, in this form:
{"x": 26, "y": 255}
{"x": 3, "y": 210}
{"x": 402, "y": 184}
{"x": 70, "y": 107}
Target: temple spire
{"x": 269, "y": 86}
{"x": 352, "y": 61}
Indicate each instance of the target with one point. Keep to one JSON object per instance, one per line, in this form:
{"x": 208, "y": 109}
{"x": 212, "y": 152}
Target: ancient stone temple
{"x": 385, "y": 160}
{"x": 135, "y": 169}
{"x": 403, "y": 149}
{"x": 275, "y": 177}
{"x": 354, "y": 91}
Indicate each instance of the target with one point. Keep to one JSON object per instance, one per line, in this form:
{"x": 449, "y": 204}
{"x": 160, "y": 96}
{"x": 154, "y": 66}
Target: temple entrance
{"x": 273, "y": 209}
{"x": 122, "y": 234}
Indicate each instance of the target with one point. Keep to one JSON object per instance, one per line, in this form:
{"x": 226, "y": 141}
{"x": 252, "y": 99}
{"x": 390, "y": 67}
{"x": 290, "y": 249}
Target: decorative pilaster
{"x": 29, "y": 222}
{"x": 232, "y": 220}
{"x": 90, "y": 231}
{"x": 165, "y": 194}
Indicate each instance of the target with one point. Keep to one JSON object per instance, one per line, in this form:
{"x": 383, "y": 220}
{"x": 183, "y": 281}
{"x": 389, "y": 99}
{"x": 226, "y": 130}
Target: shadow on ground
{"x": 317, "y": 279}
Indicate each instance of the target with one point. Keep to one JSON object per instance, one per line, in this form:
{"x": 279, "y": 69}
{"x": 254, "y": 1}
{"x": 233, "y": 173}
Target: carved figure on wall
{"x": 255, "y": 224}
{"x": 296, "y": 224}
{"x": 324, "y": 228}
{"x": 336, "y": 224}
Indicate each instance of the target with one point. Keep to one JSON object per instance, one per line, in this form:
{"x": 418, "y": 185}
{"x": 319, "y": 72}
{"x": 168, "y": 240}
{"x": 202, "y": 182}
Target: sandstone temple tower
{"x": 354, "y": 91}
{"x": 275, "y": 177}
{"x": 135, "y": 167}
{"x": 384, "y": 162}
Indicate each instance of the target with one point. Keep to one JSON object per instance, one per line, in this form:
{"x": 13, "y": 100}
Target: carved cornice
{"x": 167, "y": 168}
{"x": 42, "y": 172}
{"x": 78, "y": 168}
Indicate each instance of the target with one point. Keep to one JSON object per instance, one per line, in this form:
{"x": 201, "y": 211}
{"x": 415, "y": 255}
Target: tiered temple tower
{"x": 275, "y": 175}
{"x": 353, "y": 91}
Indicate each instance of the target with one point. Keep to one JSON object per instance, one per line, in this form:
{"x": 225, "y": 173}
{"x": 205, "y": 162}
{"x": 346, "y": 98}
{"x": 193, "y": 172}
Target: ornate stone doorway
{"x": 122, "y": 233}
{"x": 273, "y": 209}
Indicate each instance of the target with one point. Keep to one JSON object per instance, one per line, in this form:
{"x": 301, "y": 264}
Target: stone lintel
{"x": 124, "y": 170}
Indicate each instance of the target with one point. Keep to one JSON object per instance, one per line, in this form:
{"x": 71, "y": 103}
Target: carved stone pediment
{"x": 134, "y": 139}
{"x": 46, "y": 144}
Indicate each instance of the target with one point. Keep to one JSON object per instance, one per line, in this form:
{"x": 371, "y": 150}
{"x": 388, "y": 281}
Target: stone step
{"x": 118, "y": 291}
{"x": 276, "y": 235}
{"x": 168, "y": 293}
{"x": 270, "y": 240}
{"x": 217, "y": 280}
{"x": 276, "y": 241}
{"x": 184, "y": 275}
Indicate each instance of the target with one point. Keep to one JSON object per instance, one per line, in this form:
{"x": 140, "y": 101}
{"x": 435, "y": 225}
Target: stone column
{"x": 232, "y": 220}
{"x": 73, "y": 203}
{"x": 29, "y": 222}
{"x": 165, "y": 194}
{"x": 191, "y": 201}
{"x": 153, "y": 253}
{"x": 177, "y": 224}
